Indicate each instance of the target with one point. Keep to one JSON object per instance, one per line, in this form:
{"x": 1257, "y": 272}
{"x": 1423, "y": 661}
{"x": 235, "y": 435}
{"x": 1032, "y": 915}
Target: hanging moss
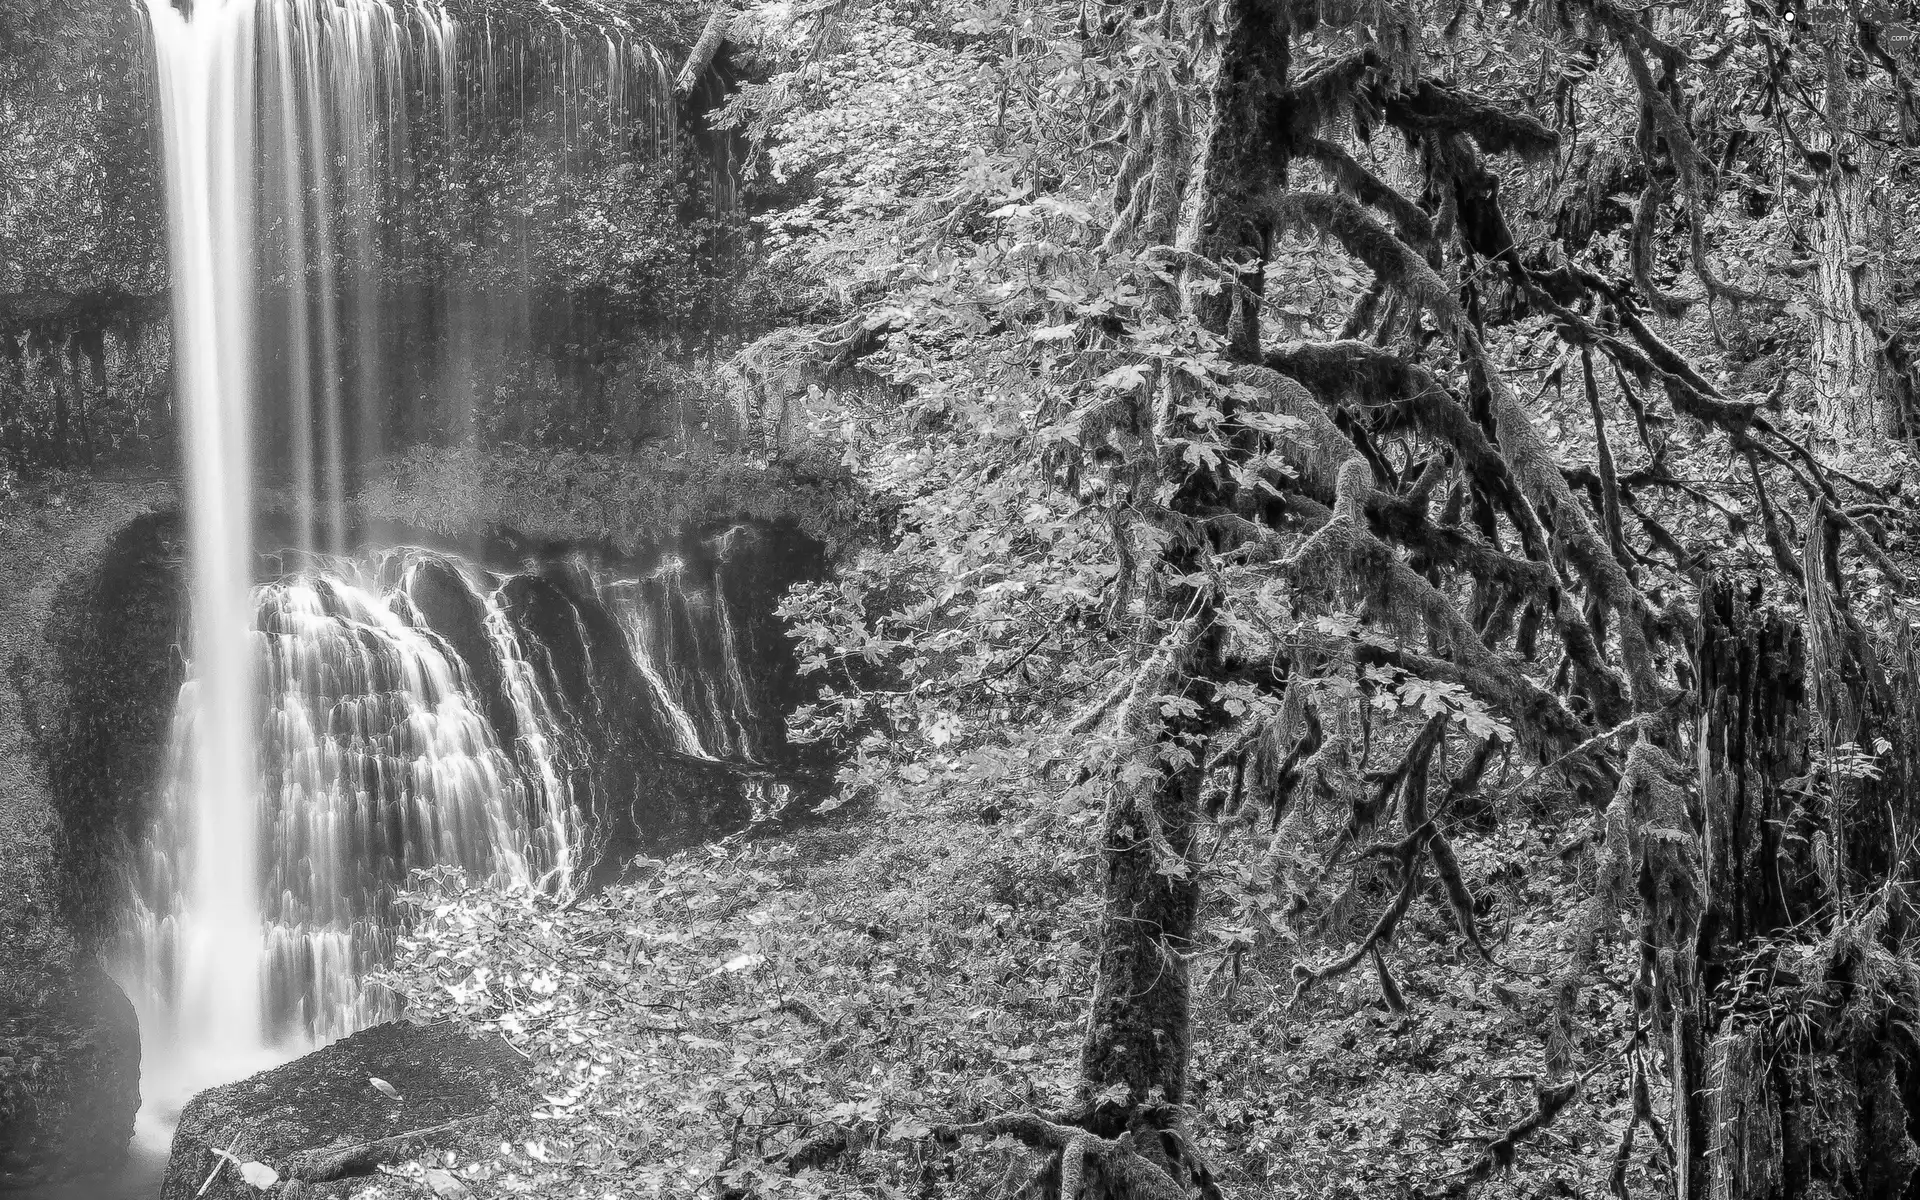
{"x": 1366, "y": 187}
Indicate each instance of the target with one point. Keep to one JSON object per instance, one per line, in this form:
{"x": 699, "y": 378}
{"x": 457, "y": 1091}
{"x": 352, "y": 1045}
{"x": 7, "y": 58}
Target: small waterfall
{"x": 681, "y": 635}
{"x": 683, "y": 631}
{"x": 376, "y": 756}
{"x": 378, "y": 760}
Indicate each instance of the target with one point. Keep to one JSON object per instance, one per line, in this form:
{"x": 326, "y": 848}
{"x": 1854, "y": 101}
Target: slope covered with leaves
{"x": 798, "y": 1015}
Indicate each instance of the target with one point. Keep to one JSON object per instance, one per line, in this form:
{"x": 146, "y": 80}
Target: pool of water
{"x": 166, "y": 1085}
{"x": 138, "y": 1179}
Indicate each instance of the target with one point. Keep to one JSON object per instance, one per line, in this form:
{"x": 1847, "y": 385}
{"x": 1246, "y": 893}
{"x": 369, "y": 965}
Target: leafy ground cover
{"x": 798, "y": 1016}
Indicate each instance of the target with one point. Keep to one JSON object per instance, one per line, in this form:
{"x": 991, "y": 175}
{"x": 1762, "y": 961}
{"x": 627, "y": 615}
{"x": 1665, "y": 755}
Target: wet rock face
{"x": 447, "y": 606}
{"x": 85, "y": 623}
{"x": 115, "y": 630}
{"x": 69, "y": 1084}
{"x": 323, "y": 1127}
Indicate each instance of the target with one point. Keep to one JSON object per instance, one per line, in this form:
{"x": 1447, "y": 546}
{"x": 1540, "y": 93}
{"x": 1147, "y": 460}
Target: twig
{"x": 1582, "y": 748}
{"x": 322, "y": 1165}
{"x": 220, "y": 1159}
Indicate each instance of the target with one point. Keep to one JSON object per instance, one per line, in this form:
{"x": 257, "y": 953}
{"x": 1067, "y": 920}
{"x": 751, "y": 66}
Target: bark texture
{"x": 1856, "y": 388}
{"x": 1792, "y": 1074}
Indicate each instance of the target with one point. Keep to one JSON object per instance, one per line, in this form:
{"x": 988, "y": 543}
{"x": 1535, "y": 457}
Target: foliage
{"x": 748, "y": 1000}
{"x": 1163, "y": 534}
{"x": 902, "y": 968}
{"x": 80, "y": 211}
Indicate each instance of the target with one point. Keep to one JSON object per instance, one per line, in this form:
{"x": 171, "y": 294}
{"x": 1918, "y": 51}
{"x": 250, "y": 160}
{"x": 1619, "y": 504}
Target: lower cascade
{"x": 416, "y": 710}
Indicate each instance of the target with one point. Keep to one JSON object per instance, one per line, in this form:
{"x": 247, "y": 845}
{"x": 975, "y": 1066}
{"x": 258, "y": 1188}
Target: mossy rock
{"x": 321, "y": 1115}
{"x": 69, "y": 1084}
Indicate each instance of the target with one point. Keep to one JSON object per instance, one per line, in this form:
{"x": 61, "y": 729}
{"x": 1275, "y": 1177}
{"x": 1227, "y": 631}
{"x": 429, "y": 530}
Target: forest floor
{"x": 792, "y": 1014}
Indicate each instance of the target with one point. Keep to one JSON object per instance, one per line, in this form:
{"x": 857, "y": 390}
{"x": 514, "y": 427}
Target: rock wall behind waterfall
{"x": 527, "y": 285}
{"x": 91, "y": 621}
{"x": 69, "y": 1048}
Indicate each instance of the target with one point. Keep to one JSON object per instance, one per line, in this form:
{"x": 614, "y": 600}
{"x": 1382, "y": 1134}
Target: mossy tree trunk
{"x": 1244, "y": 154}
{"x": 1135, "y": 1056}
{"x": 1139, "y": 1037}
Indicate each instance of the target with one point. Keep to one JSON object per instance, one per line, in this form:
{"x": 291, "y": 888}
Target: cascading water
{"x": 412, "y": 709}
{"x": 375, "y": 757}
{"x": 380, "y": 758}
{"x": 686, "y": 640}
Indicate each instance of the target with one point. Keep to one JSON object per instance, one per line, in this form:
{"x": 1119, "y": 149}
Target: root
{"x": 1100, "y": 1168}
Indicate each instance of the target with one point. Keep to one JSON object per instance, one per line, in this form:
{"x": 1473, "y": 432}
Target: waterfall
{"x": 682, "y": 636}
{"x": 368, "y": 176}
{"x": 331, "y": 735}
{"x": 379, "y": 759}
{"x": 206, "y": 76}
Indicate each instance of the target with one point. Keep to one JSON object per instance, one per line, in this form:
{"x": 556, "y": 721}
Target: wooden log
{"x": 701, "y": 56}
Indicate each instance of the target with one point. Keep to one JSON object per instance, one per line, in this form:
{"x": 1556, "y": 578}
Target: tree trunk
{"x": 1853, "y": 383}
{"x": 1139, "y": 1034}
{"x": 1244, "y": 154}
{"x": 1751, "y": 740}
{"x": 1792, "y": 1076}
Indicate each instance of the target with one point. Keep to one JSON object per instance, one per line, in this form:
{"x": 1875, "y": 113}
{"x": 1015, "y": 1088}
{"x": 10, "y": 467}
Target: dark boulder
{"x": 322, "y": 1126}
{"x": 69, "y": 1084}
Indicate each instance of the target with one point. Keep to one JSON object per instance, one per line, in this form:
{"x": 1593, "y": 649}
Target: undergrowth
{"x": 796, "y": 1017}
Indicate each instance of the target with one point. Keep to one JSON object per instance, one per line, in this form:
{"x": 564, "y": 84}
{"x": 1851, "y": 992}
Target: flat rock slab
{"x": 323, "y": 1126}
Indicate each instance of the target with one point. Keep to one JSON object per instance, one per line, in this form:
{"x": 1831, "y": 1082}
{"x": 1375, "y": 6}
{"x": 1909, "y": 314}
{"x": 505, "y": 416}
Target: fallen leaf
{"x": 259, "y": 1174}
{"x": 445, "y": 1186}
{"x": 383, "y": 1087}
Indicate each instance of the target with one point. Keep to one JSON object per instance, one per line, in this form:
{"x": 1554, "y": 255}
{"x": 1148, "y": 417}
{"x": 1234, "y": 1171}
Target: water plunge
{"x": 417, "y": 708}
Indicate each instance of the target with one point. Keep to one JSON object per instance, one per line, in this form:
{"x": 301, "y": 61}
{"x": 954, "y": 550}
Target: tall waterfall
{"x": 206, "y": 78}
{"x": 333, "y": 734}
